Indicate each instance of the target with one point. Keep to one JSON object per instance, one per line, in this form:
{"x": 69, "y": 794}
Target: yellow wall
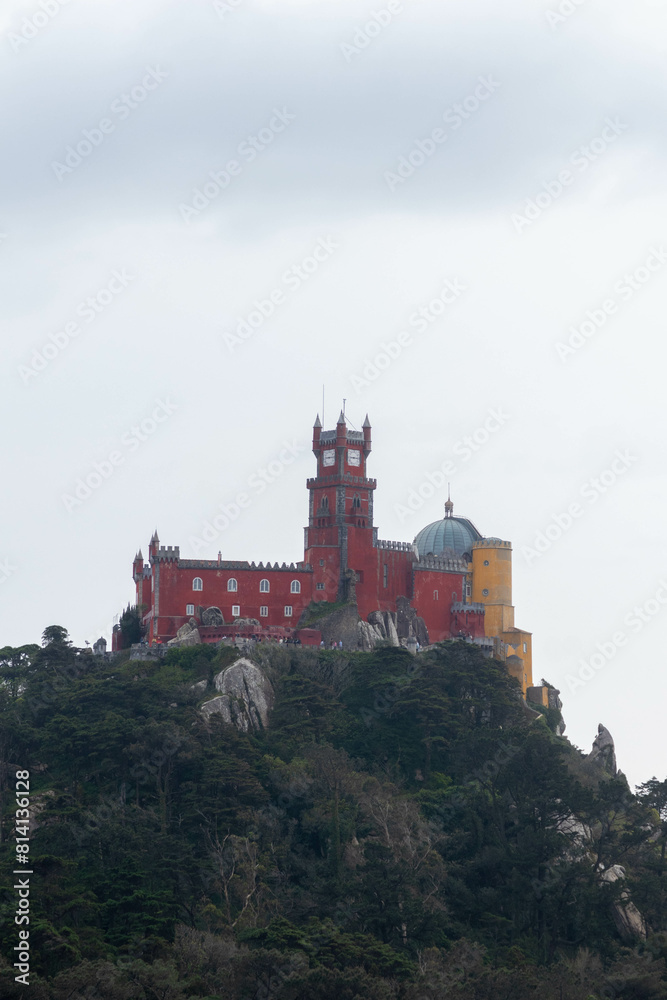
{"x": 496, "y": 579}
{"x": 516, "y": 639}
{"x": 497, "y": 576}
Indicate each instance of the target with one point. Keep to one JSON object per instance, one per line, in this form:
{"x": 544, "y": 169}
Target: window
{"x": 236, "y": 610}
{"x": 288, "y": 611}
{"x": 435, "y": 595}
{"x": 232, "y": 585}
{"x": 485, "y": 593}
{"x": 264, "y": 586}
{"x": 525, "y": 647}
{"x": 319, "y": 586}
{"x": 263, "y": 611}
{"x": 295, "y": 588}
{"x": 486, "y": 562}
{"x": 385, "y": 574}
{"x": 468, "y": 590}
{"x": 197, "y": 583}
{"x": 189, "y": 609}
{"x": 321, "y": 562}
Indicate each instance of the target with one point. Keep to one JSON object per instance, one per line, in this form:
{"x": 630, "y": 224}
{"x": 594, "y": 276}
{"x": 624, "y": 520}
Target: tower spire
{"x": 449, "y": 506}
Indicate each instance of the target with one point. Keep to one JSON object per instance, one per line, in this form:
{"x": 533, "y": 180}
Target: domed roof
{"x": 450, "y": 537}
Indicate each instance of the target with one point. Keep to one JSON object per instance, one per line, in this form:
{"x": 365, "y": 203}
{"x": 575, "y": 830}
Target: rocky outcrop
{"x": 408, "y": 622}
{"x": 187, "y": 635}
{"x": 385, "y": 623}
{"x": 368, "y": 636}
{"x": 629, "y": 922}
{"x": 246, "y": 696}
{"x": 603, "y": 754}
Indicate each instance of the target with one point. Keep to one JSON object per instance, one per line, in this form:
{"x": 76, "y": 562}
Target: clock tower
{"x": 340, "y": 504}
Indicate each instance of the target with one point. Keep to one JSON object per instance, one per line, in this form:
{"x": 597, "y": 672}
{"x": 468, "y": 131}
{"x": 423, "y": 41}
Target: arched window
{"x": 295, "y": 587}
{"x": 435, "y": 595}
{"x": 264, "y": 586}
{"x": 197, "y": 583}
{"x": 232, "y": 584}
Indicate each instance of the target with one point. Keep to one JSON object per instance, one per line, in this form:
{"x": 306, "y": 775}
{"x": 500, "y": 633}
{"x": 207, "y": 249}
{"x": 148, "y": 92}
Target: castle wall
{"x": 174, "y": 585}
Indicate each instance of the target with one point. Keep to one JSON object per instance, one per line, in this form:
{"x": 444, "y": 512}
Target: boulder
{"x": 187, "y": 635}
{"x": 369, "y": 636}
{"x": 246, "y": 696}
{"x": 603, "y": 754}
{"x": 629, "y": 922}
{"x": 212, "y": 617}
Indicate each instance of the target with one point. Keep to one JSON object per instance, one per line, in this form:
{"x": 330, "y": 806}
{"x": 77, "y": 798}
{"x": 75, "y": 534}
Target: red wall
{"x": 175, "y": 592}
{"x": 436, "y": 611}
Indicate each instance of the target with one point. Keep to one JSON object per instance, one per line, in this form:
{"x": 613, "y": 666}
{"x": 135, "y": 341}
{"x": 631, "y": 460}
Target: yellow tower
{"x": 492, "y": 587}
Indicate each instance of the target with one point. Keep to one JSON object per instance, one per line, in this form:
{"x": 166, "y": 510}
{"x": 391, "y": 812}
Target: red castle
{"x": 451, "y": 582}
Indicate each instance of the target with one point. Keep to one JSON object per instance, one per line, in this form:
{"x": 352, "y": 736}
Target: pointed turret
{"x": 317, "y": 430}
{"x": 341, "y": 431}
{"x": 366, "y": 427}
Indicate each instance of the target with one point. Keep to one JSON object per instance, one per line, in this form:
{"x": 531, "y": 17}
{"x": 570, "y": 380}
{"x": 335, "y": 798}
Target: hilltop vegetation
{"x": 403, "y": 829}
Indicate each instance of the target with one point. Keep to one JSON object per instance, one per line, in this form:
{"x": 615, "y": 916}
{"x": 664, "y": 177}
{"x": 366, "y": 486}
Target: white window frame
{"x": 264, "y": 611}
{"x": 319, "y": 586}
{"x": 197, "y": 583}
{"x": 436, "y": 596}
{"x": 233, "y": 585}
{"x": 288, "y": 611}
{"x": 295, "y": 587}
{"x": 236, "y": 610}
{"x": 264, "y": 587}
{"x": 189, "y": 609}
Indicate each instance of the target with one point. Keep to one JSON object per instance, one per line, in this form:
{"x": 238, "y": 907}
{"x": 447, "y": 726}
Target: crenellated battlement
{"x": 395, "y": 546}
{"x": 491, "y": 543}
{"x": 479, "y": 609}
{"x": 444, "y": 565}
{"x": 168, "y": 553}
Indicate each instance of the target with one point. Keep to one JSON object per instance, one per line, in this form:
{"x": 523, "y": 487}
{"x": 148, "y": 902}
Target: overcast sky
{"x": 174, "y": 169}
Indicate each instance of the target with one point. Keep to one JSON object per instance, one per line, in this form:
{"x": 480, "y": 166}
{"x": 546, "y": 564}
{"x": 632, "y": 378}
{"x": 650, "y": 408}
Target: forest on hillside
{"x": 404, "y": 828}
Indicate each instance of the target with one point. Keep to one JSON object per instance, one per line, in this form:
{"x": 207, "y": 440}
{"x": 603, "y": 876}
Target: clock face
{"x": 329, "y": 457}
{"x": 354, "y": 457}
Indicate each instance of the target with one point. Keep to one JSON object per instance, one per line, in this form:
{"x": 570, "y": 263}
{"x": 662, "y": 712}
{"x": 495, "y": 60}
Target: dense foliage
{"x": 404, "y": 829}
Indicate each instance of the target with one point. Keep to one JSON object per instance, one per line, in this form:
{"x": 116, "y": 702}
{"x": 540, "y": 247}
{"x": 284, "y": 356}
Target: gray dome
{"x": 451, "y": 536}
